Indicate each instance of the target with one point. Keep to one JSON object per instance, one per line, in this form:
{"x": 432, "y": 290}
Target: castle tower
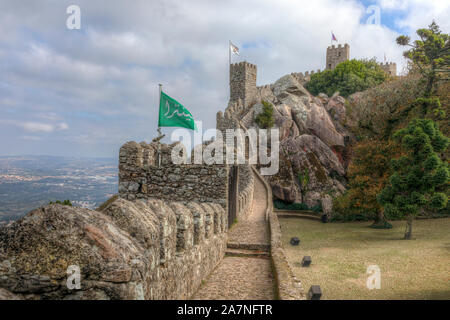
{"x": 243, "y": 83}
{"x": 390, "y": 68}
{"x": 337, "y": 55}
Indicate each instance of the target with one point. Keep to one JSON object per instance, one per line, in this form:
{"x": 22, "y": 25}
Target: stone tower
{"x": 337, "y": 55}
{"x": 390, "y": 68}
{"x": 243, "y": 83}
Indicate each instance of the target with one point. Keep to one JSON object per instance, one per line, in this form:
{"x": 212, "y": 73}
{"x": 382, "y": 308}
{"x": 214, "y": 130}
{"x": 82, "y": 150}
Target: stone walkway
{"x": 255, "y": 228}
{"x": 244, "y": 278}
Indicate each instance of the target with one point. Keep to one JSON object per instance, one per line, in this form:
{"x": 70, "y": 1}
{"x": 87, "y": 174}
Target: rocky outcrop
{"x": 314, "y": 150}
{"x": 145, "y": 249}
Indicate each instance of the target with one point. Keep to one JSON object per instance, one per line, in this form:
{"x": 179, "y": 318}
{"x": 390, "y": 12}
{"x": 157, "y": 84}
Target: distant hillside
{"x": 27, "y": 182}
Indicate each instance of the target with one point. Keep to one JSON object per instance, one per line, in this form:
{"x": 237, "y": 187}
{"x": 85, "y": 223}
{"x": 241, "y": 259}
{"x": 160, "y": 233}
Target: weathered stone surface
{"x": 130, "y": 250}
{"x": 288, "y": 194}
{"x": 327, "y": 205}
{"x": 313, "y": 141}
{"x": 6, "y": 295}
{"x": 187, "y": 182}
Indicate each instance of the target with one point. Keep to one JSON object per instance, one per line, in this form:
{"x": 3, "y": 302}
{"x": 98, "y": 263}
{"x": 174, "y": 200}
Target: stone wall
{"x": 246, "y": 187}
{"x": 389, "y": 67}
{"x": 303, "y": 78}
{"x": 141, "y": 177}
{"x": 142, "y": 249}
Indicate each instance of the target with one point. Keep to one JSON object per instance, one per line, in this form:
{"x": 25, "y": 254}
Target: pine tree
{"x": 418, "y": 174}
{"x": 430, "y": 54}
{"x": 265, "y": 119}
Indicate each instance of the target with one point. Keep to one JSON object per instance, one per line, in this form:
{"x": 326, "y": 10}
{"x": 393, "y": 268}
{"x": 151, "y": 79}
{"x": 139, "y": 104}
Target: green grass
{"x": 341, "y": 253}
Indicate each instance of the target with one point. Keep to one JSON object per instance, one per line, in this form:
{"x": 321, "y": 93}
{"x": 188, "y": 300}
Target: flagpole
{"x": 159, "y": 128}
{"x": 229, "y": 52}
{"x": 229, "y": 64}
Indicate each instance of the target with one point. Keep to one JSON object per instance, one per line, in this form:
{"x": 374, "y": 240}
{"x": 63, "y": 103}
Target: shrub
{"x": 64, "y": 203}
{"x": 265, "y": 119}
{"x": 348, "y": 77}
{"x": 279, "y": 204}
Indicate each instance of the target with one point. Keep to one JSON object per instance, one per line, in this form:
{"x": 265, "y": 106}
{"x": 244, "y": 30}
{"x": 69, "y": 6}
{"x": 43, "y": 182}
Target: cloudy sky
{"x": 85, "y": 92}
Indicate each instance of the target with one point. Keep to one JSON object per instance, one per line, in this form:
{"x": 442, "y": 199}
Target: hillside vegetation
{"x": 348, "y": 77}
{"x": 378, "y": 118}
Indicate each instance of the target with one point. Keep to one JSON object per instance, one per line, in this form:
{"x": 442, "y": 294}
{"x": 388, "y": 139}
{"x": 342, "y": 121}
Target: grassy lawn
{"x": 341, "y": 253}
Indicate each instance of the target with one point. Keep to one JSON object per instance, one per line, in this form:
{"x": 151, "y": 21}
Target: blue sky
{"x": 86, "y": 92}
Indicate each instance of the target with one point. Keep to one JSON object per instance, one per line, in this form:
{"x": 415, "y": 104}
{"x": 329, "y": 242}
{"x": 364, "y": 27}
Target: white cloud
{"x": 63, "y": 126}
{"x": 36, "y": 127}
{"x": 31, "y": 138}
{"x": 104, "y": 77}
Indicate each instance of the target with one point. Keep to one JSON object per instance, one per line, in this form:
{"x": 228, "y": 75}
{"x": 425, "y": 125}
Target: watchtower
{"x": 337, "y": 55}
{"x": 390, "y": 68}
{"x": 243, "y": 83}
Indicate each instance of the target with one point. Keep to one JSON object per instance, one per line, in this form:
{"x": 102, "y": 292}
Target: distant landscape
{"x": 28, "y": 182}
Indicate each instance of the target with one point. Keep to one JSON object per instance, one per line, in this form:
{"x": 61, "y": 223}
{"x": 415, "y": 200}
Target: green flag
{"x": 173, "y": 114}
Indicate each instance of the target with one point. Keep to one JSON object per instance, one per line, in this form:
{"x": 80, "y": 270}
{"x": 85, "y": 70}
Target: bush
{"x": 281, "y": 205}
{"x": 64, "y": 203}
{"x": 265, "y": 119}
{"x": 348, "y": 77}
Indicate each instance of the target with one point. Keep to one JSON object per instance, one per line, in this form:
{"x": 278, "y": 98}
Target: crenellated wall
{"x": 304, "y": 77}
{"x": 141, "y": 249}
{"x": 246, "y": 188}
{"x": 389, "y": 67}
{"x": 140, "y": 176}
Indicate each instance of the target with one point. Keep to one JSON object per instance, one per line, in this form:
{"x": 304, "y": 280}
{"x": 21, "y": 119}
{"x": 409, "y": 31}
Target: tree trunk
{"x": 381, "y": 222}
{"x": 430, "y": 83}
{"x": 408, "y": 232}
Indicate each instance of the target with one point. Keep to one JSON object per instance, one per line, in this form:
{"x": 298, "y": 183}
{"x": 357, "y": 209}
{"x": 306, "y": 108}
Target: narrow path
{"x": 244, "y": 277}
{"x": 254, "y": 229}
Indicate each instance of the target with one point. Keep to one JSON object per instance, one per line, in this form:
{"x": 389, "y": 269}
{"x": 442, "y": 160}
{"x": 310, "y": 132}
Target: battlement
{"x": 243, "y": 64}
{"x": 140, "y": 176}
{"x": 332, "y": 47}
{"x": 389, "y": 67}
{"x": 304, "y": 77}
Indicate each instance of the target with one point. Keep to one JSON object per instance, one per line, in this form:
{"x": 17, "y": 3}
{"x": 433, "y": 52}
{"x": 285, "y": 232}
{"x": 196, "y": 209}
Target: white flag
{"x": 234, "y": 49}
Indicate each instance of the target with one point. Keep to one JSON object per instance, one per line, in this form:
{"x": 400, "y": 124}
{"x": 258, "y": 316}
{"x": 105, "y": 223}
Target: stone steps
{"x": 247, "y": 253}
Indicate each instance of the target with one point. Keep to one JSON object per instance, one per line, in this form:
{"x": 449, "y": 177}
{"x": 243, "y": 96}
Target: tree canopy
{"x": 417, "y": 174}
{"x": 348, "y": 77}
{"x": 430, "y": 54}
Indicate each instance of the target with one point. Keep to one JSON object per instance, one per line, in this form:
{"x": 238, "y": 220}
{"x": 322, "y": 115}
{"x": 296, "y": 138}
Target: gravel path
{"x": 244, "y": 278}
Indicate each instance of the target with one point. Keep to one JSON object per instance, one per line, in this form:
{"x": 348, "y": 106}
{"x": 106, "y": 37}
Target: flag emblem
{"x": 174, "y": 114}
{"x": 333, "y": 37}
{"x": 234, "y": 49}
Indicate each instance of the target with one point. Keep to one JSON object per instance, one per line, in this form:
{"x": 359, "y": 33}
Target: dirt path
{"x": 244, "y": 277}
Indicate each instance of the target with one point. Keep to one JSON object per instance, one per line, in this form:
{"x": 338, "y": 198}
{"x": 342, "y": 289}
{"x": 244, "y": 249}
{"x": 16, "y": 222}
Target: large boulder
{"x": 313, "y": 142}
{"x": 37, "y": 250}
